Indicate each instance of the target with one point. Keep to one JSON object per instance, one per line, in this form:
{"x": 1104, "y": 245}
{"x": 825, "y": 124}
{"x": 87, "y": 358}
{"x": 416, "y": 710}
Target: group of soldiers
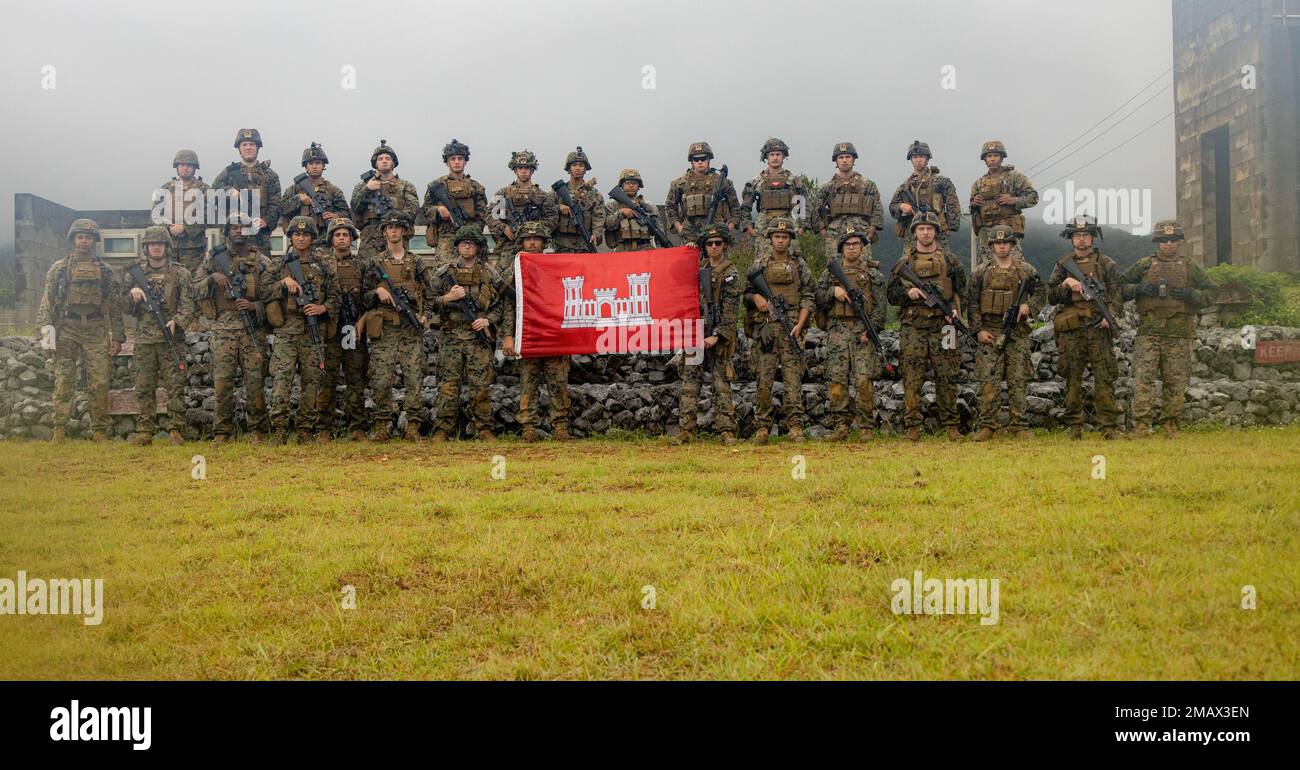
{"x": 349, "y": 298}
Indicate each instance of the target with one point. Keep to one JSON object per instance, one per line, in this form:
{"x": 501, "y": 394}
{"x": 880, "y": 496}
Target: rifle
{"x": 719, "y": 194}
{"x": 1092, "y": 291}
{"x": 642, "y": 216}
{"x": 1012, "y": 315}
{"x": 779, "y": 308}
{"x": 236, "y": 172}
{"x": 857, "y": 302}
{"x": 153, "y": 302}
{"x": 401, "y": 299}
{"x": 710, "y": 316}
{"x": 318, "y": 204}
{"x": 932, "y": 297}
{"x": 379, "y": 202}
{"x": 307, "y": 295}
{"x": 470, "y": 307}
{"x": 561, "y": 189}
{"x": 443, "y": 198}
{"x": 236, "y": 287}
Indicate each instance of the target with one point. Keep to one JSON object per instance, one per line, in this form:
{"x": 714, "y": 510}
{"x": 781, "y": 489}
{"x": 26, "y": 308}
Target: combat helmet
{"x": 577, "y": 156}
{"x": 186, "y": 156}
{"x": 1167, "y": 230}
{"x": 471, "y": 233}
{"x": 850, "y": 232}
{"x": 993, "y": 146}
{"x": 524, "y": 159}
{"x": 780, "y": 225}
{"x": 919, "y": 148}
{"x": 314, "y": 152}
{"x": 301, "y": 224}
{"x": 843, "y": 148}
{"x": 924, "y": 217}
{"x": 87, "y": 226}
{"x": 714, "y": 230}
{"x": 383, "y": 149}
{"x": 248, "y": 135}
{"x": 700, "y": 151}
{"x": 774, "y": 145}
{"x": 455, "y": 147}
{"x": 340, "y": 223}
{"x": 1083, "y": 223}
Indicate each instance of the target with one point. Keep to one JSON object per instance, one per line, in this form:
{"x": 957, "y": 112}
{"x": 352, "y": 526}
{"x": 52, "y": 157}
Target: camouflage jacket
{"x": 728, "y": 286}
{"x": 822, "y": 217}
{"x": 874, "y": 292}
{"x": 252, "y": 264}
{"x": 766, "y": 180}
{"x": 1182, "y": 321}
{"x": 173, "y": 284}
{"x": 593, "y": 205}
{"x": 941, "y": 190}
{"x": 400, "y": 193}
{"x": 477, "y": 205}
{"x": 521, "y": 196}
{"x": 263, "y": 185}
{"x": 915, "y": 311}
{"x": 1036, "y": 297}
{"x": 454, "y": 317}
{"x": 370, "y": 283}
{"x": 1061, "y": 296}
{"x": 806, "y": 293}
{"x": 193, "y": 240}
{"x": 614, "y": 228}
{"x": 53, "y": 308}
{"x": 1007, "y": 181}
{"x": 703, "y": 185}
{"x": 315, "y": 272}
{"x": 335, "y": 202}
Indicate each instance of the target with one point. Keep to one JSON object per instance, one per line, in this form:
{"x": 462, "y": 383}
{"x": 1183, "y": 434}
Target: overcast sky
{"x": 135, "y": 81}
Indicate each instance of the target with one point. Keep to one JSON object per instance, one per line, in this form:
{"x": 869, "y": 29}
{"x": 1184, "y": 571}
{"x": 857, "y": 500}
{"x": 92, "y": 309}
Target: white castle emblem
{"x": 606, "y": 308}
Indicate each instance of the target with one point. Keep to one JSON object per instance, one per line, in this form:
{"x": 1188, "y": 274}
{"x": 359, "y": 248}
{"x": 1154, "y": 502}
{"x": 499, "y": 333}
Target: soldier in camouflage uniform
{"x": 623, "y": 231}
{"x": 789, "y": 278}
{"x": 463, "y": 191}
{"x": 690, "y": 194}
{"x": 189, "y": 239}
{"x": 152, "y": 357}
{"x": 82, "y": 302}
{"x": 295, "y": 352}
{"x": 848, "y": 200}
{"x": 994, "y": 285}
{"x": 400, "y": 195}
{"x": 926, "y": 339}
{"x": 1170, "y": 290}
{"x": 343, "y": 345}
{"x": 1083, "y": 336}
{"x": 393, "y": 341}
{"x": 926, "y": 188}
{"x": 233, "y": 350}
{"x": 518, "y": 202}
{"x": 776, "y": 193}
{"x": 999, "y": 197}
{"x": 567, "y": 238}
{"x": 553, "y": 370}
{"x": 724, "y": 293}
{"x": 255, "y": 179}
{"x": 468, "y": 334}
{"x": 852, "y": 363}
{"x": 297, "y": 201}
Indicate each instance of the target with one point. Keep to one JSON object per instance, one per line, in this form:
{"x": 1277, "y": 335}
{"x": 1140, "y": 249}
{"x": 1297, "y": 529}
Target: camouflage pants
{"x": 991, "y": 369}
{"x": 921, "y": 348}
{"x": 353, "y": 362}
{"x": 772, "y": 351}
{"x": 569, "y": 243}
{"x": 724, "y": 408}
{"x": 1088, "y": 348}
{"x": 851, "y": 366}
{"x": 555, "y": 371}
{"x": 294, "y": 354}
{"x": 397, "y": 346}
{"x": 150, "y": 362}
{"x": 1168, "y": 359}
{"x": 84, "y": 342}
{"x": 232, "y": 353}
{"x": 466, "y": 361}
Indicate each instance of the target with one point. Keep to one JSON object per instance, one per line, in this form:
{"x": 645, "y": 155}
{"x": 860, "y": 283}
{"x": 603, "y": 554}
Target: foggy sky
{"x": 136, "y": 81}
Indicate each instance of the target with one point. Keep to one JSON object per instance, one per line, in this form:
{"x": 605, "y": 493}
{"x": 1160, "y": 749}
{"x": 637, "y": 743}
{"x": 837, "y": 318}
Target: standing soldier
{"x": 848, "y": 200}
{"x": 925, "y": 339}
{"x": 384, "y": 191}
{"x": 82, "y": 302}
{"x": 396, "y": 339}
{"x": 295, "y": 349}
{"x": 995, "y": 287}
{"x": 624, "y": 232}
{"x": 776, "y": 193}
{"x": 852, "y": 363}
{"x": 690, "y": 195}
{"x": 998, "y": 197}
{"x": 465, "y": 299}
{"x": 927, "y": 189}
{"x": 238, "y": 340}
{"x": 254, "y": 179}
{"x": 789, "y": 278}
{"x": 518, "y": 202}
{"x": 1169, "y": 290}
{"x": 297, "y": 200}
{"x": 189, "y": 239}
{"x": 1083, "y": 335}
{"x": 463, "y": 192}
{"x": 568, "y": 239}
{"x": 724, "y": 294}
{"x": 169, "y": 285}
{"x": 343, "y": 347}
{"x": 554, "y": 370}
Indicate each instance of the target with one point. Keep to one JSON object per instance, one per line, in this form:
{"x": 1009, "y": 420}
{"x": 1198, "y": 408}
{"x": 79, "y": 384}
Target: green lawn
{"x": 756, "y": 574}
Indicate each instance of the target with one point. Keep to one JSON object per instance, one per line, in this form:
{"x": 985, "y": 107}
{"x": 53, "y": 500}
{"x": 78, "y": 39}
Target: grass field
{"x": 755, "y": 574}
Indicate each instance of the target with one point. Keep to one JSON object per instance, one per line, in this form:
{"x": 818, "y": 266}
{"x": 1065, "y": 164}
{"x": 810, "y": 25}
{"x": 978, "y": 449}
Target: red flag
{"x": 620, "y": 302}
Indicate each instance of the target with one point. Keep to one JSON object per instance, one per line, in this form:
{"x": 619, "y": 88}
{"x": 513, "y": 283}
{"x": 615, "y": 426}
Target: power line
{"x": 1110, "y": 128}
{"x": 1108, "y": 152}
{"x": 1103, "y": 120}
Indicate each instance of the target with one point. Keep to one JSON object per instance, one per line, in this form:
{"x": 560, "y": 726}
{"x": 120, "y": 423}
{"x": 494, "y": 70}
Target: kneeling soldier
{"x": 1003, "y": 289}
{"x": 169, "y": 283}
{"x": 465, "y": 299}
{"x": 723, "y": 294}
{"x": 851, "y": 359}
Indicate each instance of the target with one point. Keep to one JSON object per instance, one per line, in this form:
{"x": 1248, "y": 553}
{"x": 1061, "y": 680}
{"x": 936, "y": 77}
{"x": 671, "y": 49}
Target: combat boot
{"x": 953, "y": 433}
{"x": 866, "y": 435}
{"x": 57, "y": 436}
{"x": 728, "y": 438}
{"x": 220, "y": 439}
{"x": 381, "y": 434}
{"x": 1139, "y": 430}
{"x": 439, "y": 436}
{"x": 140, "y": 439}
{"x": 487, "y": 435}
{"x": 796, "y": 435}
{"x": 1075, "y": 432}
{"x": 683, "y": 437}
{"x": 256, "y": 437}
{"x": 1022, "y": 434}
{"x": 840, "y": 433}
{"x": 176, "y": 438}
{"x": 324, "y": 437}
{"x": 98, "y": 437}
{"x": 278, "y": 438}
{"x": 1170, "y": 430}
{"x": 528, "y": 435}
{"x": 561, "y": 433}
{"x": 358, "y": 435}
{"x": 984, "y": 434}
{"x": 412, "y": 432}
{"x": 761, "y": 435}
{"x": 1110, "y": 434}
{"x": 913, "y": 434}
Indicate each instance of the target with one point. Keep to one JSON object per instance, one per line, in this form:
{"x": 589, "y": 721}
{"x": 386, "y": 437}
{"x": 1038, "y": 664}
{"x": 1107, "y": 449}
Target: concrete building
{"x": 1236, "y": 91}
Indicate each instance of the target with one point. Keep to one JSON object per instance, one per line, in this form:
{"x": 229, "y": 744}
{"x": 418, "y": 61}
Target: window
{"x": 277, "y": 244}
{"x": 119, "y": 246}
{"x": 418, "y": 243}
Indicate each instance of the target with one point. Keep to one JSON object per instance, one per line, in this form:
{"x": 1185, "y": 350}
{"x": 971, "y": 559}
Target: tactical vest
{"x": 311, "y": 273}
{"x": 461, "y": 191}
{"x": 697, "y": 192}
{"x": 775, "y": 196}
{"x": 522, "y": 198}
{"x": 304, "y": 209}
{"x": 859, "y": 276}
{"x": 87, "y": 296}
{"x": 478, "y": 285}
{"x": 629, "y": 229}
{"x": 927, "y": 193}
{"x": 931, "y": 268}
{"x": 390, "y": 189}
{"x": 402, "y": 275}
{"x": 850, "y": 198}
{"x": 1174, "y": 273}
{"x": 248, "y": 266}
{"x": 783, "y": 277}
{"x": 164, "y": 281}
{"x": 1079, "y": 311}
{"x": 349, "y": 276}
{"x": 581, "y": 197}
{"x": 999, "y": 290}
{"x": 991, "y": 212}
